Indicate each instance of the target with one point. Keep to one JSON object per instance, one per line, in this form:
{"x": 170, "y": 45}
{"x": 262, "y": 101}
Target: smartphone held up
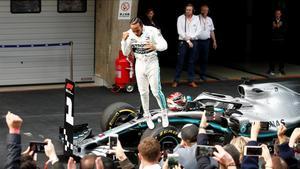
{"x": 113, "y": 140}
{"x": 37, "y": 146}
{"x": 205, "y": 151}
{"x": 252, "y": 151}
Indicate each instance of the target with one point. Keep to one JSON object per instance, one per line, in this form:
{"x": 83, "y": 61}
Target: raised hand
{"x": 294, "y": 137}
{"x": 150, "y": 47}
{"x": 14, "y": 123}
{"x": 223, "y": 157}
{"x": 255, "y": 130}
{"x": 71, "y": 163}
{"x": 125, "y": 35}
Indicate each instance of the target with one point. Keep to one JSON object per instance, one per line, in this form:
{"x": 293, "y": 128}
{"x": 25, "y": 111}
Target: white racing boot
{"x": 149, "y": 121}
{"x": 164, "y": 118}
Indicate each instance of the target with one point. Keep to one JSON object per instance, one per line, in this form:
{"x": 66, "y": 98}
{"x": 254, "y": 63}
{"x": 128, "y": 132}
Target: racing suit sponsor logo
{"x": 139, "y": 48}
{"x": 133, "y": 40}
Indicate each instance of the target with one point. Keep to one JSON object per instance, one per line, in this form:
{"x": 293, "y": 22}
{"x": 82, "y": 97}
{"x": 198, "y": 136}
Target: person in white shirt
{"x": 145, "y": 41}
{"x": 206, "y": 35}
{"x": 188, "y": 28}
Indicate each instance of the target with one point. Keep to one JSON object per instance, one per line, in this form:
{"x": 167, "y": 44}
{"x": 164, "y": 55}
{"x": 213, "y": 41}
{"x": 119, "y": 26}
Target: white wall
{"x": 46, "y": 64}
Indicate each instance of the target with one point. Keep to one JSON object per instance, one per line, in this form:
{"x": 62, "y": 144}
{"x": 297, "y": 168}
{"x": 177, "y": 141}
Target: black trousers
{"x": 191, "y": 53}
{"x": 278, "y": 55}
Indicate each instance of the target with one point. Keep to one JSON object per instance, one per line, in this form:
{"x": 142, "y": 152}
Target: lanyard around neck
{"x": 184, "y": 24}
{"x": 204, "y": 20}
{"x": 185, "y": 18}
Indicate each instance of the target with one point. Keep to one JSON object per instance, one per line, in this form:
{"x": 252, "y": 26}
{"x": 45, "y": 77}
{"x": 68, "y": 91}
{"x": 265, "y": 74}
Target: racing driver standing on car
{"x": 145, "y": 41}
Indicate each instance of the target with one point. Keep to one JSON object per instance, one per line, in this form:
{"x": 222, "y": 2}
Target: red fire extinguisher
{"x": 124, "y": 73}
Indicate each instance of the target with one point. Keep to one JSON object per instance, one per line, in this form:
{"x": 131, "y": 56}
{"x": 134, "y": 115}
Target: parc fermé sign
{"x": 124, "y": 9}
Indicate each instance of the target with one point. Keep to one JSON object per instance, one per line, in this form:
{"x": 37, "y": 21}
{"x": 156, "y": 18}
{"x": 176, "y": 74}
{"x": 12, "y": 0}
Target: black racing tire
{"x": 167, "y": 137}
{"x": 116, "y": 114}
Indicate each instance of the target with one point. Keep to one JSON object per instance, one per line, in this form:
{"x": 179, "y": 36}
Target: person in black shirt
{"x": 150, "y": 20}
{"x": 279, "y": 29}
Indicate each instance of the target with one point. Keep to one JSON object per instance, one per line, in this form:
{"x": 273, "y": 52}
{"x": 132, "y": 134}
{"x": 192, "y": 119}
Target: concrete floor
{"x": 214, "y": 73}
{"x": 234, "y": 72}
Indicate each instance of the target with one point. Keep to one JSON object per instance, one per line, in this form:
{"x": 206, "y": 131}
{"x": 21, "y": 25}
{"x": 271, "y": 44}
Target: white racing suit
{"x": 147, "y": 66}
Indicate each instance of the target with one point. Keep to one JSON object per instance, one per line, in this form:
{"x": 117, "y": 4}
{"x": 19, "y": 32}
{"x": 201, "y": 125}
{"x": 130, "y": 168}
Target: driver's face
{"x": 137, "y": 29}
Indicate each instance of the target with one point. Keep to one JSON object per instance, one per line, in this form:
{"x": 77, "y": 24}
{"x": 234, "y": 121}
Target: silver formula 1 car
{"x": 267, "y": 102}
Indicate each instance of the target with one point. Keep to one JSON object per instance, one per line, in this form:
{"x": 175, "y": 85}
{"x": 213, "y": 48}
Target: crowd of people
{"x": 151, "y": 156}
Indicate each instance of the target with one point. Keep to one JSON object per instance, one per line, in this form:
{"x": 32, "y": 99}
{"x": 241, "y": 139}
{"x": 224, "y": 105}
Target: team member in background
{"x": 207, "y": 33}
{"x": 145, "y": 41}
{"x": 279, "y": 30}
{"x": 188, "y": 28}
{"x": 150, "y": 19}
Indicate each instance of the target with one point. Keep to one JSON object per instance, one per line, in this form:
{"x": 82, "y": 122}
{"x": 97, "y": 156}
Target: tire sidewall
{"x": 169, "y": 133}
{"x": 114, "y": 118}
{"x": 113, "y": 112}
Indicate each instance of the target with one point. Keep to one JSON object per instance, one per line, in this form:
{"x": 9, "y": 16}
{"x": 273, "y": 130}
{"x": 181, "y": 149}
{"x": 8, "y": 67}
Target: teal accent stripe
{"x": 160, "y": 93}
{"x": 219, "y": 127}
{"x": 214, "y": 125}
{"x": 187, "y": 120}
{"x": 271, "y": 133}
{"x": 197, "y": 122}
{"x": 262, "y": 135}
{"x": 219, "y": 110}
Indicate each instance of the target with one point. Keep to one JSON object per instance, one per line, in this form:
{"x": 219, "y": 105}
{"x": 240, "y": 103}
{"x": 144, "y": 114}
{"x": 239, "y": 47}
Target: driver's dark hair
{"x": 136, "y": 20}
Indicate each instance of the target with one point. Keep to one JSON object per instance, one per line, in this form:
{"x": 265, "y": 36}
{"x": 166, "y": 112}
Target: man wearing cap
{"x": 187, "y": 148}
